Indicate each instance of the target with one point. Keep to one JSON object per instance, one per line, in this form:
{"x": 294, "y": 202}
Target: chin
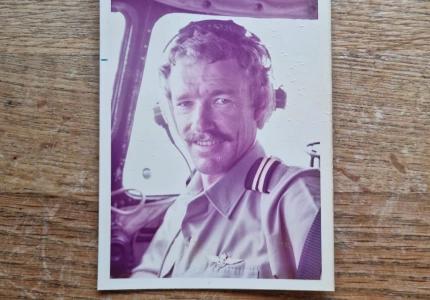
{"x": 209, "y": 170}
{"x": 210, "y": 167}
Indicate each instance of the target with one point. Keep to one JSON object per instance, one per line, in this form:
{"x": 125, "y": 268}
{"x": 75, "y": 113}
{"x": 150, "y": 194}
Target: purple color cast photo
{"x": 243, "y": 213}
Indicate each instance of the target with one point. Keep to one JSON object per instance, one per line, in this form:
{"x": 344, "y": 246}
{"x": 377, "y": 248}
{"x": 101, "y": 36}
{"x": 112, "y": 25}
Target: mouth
{"x": 208, "y": 142}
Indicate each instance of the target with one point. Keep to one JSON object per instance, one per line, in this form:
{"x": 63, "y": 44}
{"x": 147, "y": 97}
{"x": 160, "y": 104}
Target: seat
{"x": 310, "y": 261}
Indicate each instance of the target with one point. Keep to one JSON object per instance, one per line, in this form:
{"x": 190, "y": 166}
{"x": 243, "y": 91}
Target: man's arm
{"x": 289, "y": 211}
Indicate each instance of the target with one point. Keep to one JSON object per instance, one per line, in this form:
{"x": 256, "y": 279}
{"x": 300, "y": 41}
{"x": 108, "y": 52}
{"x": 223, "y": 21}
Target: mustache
{"x": 193, "y": 137}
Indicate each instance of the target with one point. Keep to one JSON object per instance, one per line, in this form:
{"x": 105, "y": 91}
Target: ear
{"x": 260, "y": 115}
{"x": 264, "y": 106}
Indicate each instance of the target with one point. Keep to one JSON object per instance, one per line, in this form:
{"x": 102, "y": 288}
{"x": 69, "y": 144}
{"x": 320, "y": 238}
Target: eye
{"x": 222, "y": 101}
{"x": 184, "y": 104}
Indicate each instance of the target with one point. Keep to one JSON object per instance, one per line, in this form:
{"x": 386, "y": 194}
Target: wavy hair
{"x": 216, "y": 40}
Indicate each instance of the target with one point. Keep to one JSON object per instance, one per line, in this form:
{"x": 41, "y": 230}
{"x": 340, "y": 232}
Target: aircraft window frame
{"x": 126, "y": 11}
{"x": 129, "y": 75}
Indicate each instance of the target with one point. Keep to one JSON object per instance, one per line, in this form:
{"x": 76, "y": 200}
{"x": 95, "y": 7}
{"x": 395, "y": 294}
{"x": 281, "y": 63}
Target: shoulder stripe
{"x": 254, "y": 185}
{"x": 259, "y": 175}
{"x": 250, "y": 176}
{"x": 269, "y": 174}
{"x": 263, "y": 176}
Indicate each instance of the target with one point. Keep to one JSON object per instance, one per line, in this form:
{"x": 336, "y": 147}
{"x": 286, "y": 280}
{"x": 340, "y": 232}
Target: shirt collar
{"x": 226, "y": 192}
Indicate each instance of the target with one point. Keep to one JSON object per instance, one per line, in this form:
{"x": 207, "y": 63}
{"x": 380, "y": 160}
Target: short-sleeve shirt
{"x": 230, "y": 231}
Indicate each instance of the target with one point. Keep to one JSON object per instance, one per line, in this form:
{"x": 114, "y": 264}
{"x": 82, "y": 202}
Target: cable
{"x": 159, "y": 119}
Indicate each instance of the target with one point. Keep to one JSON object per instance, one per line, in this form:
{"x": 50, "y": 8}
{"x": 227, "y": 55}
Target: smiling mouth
{"x": 208, "y": 143}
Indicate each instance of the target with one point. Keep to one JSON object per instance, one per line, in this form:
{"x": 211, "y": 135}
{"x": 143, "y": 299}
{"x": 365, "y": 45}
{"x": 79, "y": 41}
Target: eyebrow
{"x": 222, "y": 91}
{"x": 211, "y": 94}
{"x": 183, "y": 97}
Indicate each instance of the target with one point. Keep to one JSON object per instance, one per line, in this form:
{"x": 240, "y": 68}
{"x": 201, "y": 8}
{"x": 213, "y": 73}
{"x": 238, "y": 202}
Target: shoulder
{"x": 273, "y": 178}
{"x": 296, "y": 181}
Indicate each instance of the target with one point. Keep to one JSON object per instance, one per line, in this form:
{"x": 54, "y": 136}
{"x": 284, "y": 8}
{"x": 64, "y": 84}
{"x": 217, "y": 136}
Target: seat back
{"x": 310, "y": 261}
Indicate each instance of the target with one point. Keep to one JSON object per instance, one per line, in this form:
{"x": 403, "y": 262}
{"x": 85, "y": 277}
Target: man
{"x": 243, "y": 214}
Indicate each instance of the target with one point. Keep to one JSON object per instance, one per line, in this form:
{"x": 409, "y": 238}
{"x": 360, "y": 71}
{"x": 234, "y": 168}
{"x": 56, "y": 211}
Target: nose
{"x": 202, "y": 118}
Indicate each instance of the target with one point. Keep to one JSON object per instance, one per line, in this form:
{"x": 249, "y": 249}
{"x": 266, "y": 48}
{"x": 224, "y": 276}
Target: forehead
{"x": 202, "y": 75}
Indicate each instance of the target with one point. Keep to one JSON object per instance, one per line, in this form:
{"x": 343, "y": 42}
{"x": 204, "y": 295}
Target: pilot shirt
{"x": 231, "y": 231}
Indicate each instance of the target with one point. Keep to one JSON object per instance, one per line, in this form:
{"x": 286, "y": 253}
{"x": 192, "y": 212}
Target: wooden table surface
{"x": 49, "y": 152}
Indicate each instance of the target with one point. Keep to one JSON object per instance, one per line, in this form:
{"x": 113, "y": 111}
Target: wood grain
{"x": 49, "y": 152}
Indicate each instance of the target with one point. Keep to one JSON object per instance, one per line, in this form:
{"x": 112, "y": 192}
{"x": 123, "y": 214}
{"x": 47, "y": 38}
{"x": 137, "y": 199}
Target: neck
{"x": 209, "y": 179}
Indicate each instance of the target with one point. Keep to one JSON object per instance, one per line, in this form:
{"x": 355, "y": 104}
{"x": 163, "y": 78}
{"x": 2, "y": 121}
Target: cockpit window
{"x": 155, "y": 167}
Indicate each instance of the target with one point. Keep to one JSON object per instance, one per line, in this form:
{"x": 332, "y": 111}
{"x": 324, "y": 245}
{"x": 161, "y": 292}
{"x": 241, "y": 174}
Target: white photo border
{"x": 104, "y": 282}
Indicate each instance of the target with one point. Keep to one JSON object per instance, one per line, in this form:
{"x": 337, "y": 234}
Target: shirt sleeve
{"x": 289, "y": 214}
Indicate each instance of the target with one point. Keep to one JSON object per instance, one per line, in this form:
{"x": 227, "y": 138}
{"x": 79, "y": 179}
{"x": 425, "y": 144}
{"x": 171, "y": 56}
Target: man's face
{"x": 213, "y": 112}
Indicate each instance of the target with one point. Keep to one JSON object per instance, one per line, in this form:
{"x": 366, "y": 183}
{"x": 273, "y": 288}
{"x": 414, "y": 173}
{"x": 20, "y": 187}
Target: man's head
{"x": 217, "y": 81}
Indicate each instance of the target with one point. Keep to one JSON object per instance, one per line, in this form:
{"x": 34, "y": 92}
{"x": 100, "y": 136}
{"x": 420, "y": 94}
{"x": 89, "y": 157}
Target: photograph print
{"x": 215, "y": 145}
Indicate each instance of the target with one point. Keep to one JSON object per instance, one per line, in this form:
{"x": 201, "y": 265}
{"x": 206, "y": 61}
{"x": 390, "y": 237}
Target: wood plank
{"x": 49, "y": 152}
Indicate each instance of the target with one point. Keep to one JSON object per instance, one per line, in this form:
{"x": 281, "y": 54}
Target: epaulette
{"x": 259, "y": 175}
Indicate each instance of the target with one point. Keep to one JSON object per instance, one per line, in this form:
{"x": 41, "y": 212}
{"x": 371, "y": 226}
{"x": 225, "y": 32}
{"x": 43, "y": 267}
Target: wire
{"x": 176, "y": 146}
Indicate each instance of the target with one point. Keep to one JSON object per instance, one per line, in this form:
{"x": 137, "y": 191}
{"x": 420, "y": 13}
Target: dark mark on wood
{"x": 41, "y": 103}
{"x": 66, "y": 118}
{"x": 365, "y": 189}
{"x": 349, "y": 175}
{"x": 9, "y": 103}
{"x": 394, "y": 160}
